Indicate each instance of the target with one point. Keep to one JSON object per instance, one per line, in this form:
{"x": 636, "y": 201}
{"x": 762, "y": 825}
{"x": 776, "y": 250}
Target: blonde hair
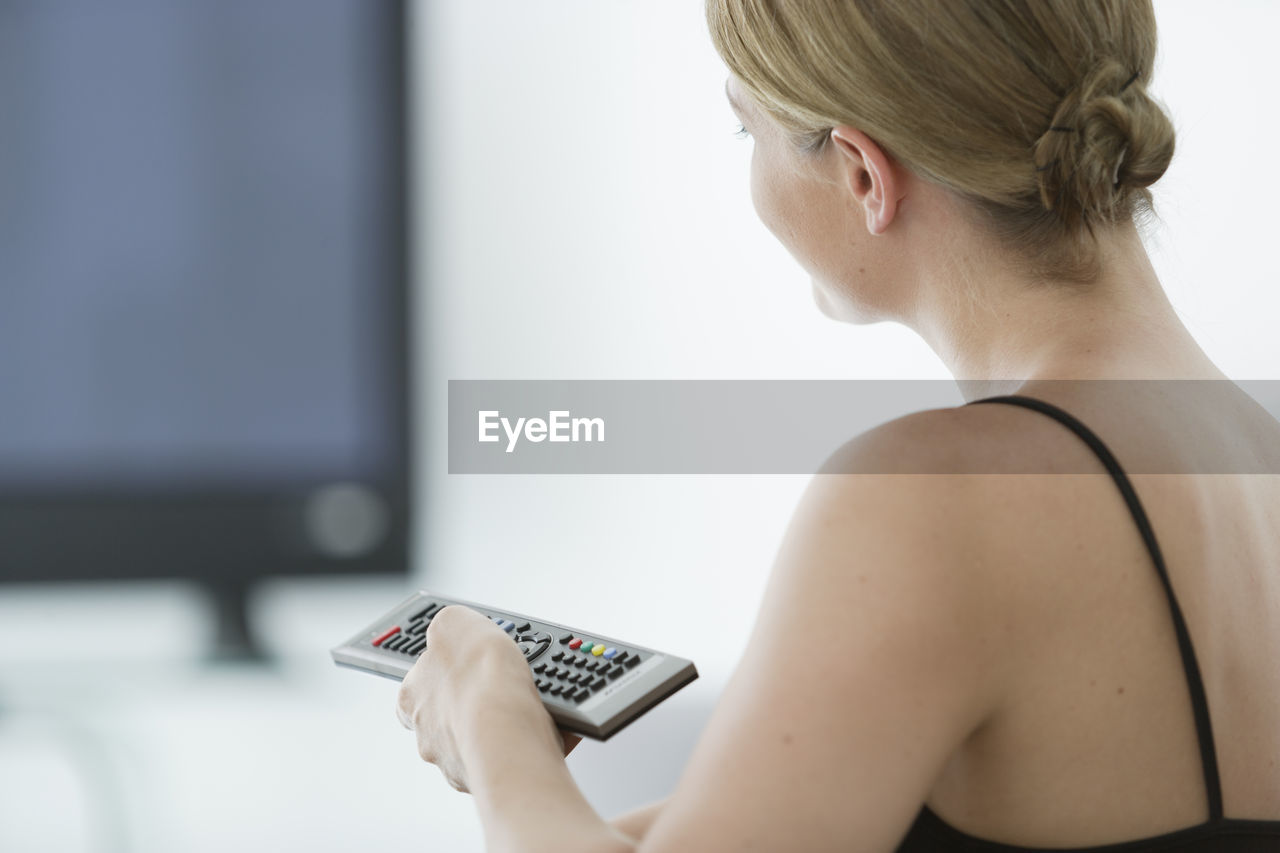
{"x": 1034, "y": 111}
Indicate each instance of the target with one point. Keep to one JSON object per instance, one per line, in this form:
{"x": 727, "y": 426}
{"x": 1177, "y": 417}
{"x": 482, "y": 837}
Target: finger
{"x": 403, "y": 717}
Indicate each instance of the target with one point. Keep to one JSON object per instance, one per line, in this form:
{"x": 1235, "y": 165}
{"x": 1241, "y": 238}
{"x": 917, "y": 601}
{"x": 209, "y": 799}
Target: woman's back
{"x": 1096, "y": 742}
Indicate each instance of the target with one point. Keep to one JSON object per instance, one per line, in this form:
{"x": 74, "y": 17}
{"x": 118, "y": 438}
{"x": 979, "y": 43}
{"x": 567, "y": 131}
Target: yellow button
{"x": 597, "y": 649}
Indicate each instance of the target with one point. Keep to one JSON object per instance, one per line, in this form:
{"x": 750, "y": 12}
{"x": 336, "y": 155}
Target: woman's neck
{"x": 995, "y": 330}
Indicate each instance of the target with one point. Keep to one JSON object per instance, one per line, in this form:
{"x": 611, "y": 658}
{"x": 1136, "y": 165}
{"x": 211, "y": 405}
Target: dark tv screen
{"x": 203, "y": 332}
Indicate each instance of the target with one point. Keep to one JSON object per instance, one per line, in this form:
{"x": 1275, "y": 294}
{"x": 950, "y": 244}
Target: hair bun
{"x": 1106, "y": 140}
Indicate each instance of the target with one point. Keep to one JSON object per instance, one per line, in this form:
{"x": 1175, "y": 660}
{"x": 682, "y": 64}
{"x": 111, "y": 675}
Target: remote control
{"x": 591, "y": 684}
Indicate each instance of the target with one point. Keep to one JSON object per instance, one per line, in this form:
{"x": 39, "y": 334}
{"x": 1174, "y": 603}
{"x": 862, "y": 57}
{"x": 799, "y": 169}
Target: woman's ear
{"x": 871, "y": 175}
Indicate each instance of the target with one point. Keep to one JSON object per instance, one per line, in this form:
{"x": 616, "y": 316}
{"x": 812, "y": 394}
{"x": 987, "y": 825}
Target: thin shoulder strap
{"x": 1199, "y": 703}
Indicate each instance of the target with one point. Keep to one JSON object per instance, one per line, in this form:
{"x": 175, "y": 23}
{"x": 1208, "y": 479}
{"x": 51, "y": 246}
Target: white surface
{"x": 139, "y": 746}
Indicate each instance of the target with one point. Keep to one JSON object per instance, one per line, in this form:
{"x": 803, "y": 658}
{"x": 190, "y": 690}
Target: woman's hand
{"x": 470, "y": 664}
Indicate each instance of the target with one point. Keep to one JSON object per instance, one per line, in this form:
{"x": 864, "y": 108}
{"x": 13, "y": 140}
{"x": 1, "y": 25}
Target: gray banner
{"x": 805, "y": 426}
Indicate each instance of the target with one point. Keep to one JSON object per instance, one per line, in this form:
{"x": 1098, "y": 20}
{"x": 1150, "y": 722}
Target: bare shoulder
{"x": 933, "y": 481}
{"x": 880, "y": 647}
{"x": 963, "y": 439}
{"x": 929, "y": 498}
{"x": 907, "y": 528}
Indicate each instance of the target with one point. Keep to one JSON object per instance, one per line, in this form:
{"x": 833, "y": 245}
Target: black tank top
{"x": 930, "y": 834}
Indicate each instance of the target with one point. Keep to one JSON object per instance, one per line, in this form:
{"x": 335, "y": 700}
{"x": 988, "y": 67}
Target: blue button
{"x": 610, "y": 652}
{"x": 507, "y": 625}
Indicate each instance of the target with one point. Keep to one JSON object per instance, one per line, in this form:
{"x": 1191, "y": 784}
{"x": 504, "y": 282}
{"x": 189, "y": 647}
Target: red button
{"x": 391, "y": 632}
{"x": 575, "y": 642}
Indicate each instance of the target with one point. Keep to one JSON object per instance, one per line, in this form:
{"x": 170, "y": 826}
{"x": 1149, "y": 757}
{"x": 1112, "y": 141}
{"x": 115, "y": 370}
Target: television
{"x": 204, "y": 333}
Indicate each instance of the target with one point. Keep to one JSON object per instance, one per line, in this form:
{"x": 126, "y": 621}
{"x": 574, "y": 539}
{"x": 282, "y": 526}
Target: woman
{"x": 964, "y": 660}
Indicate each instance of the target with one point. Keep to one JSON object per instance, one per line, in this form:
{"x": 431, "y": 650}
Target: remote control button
{"x": 557, "y": 656}
{"x": 604, "y": 669}
{"x": 573, "y": 644}
{"x": 395, "y": 643}
{"x": 556, "y": 689}
{"x": 610, "y": 653}
{"x": 582, "y": 693}
{"x": 565, "y": 638}
{"x": 621, "y": 657}
{"x": 597, "y": 649}
{"x": 592, "y": 666}
{"x": 417, "y": 628}
{"x": 616, "y": 671}
{"x": 632, "y": 661}
{"x": 508, "y": 626}
{"x": 580, "y": 663}
{"x": 597, "y": 684}
{"x": 543, "y": 686}
{"x": 524, "y": 626}
{"x": 416, "y": 649}
{"x": 573, "y": 679}
{"x": 390, "y": 632}
{"x": 540, "y": 667}
{"x": 532, "y": 645}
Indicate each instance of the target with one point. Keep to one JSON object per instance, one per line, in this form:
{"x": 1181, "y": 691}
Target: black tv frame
{"x": 226, "y": 539}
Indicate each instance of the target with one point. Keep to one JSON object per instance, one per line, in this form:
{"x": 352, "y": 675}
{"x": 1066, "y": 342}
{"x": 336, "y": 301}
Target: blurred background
{"x": 243, "y": 246}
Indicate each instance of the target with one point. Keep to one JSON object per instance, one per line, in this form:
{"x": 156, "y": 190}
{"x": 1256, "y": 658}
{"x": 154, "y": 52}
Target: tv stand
{"x": 234, "y": 640}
